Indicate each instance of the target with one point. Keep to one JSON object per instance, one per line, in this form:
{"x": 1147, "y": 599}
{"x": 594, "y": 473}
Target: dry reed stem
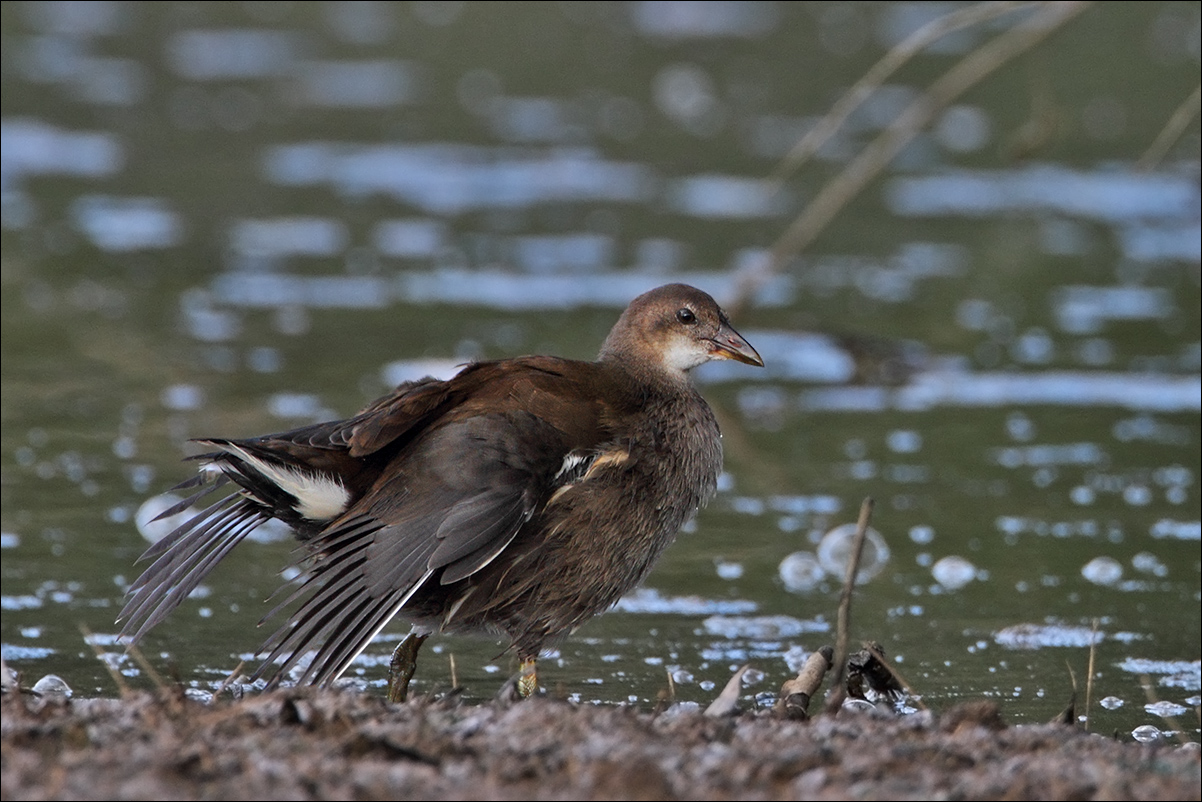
{"x": 118, "y": 680}
{"x": 1150, "y": 692}
{"x": 1093, "y": 651}
{"x": 851, "y": 180}
{"x": 906, "y": 686}
{"x": 1172, "y": 130}
{"x": 843, "y": 628}
{"x": 880, "y": 72}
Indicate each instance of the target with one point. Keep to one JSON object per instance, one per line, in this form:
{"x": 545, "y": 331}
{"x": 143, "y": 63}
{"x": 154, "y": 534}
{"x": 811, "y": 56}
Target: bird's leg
{"x": 403, "y": 664}
{"x": 528, "y": 677}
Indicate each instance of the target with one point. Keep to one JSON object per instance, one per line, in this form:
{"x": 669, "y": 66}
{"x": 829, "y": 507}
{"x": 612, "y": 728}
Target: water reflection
{"x": 450, "y": 179}
{"x": 31, "y": 148}
{"x": 951, "y": 387}
{"x": 1112, "y": 196}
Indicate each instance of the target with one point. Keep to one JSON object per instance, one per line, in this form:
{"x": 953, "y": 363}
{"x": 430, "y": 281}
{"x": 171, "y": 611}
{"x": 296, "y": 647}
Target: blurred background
{"x": 233, "y": 218}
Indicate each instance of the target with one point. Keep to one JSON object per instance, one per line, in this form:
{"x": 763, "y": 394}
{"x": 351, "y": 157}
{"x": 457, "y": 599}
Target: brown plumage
{"x": 522, "y": 496}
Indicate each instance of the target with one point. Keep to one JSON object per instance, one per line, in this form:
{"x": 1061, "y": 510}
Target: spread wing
{"x": 304, "y": 477}
{"x": 454, "y": 504}
{"x": 429, "y": 484}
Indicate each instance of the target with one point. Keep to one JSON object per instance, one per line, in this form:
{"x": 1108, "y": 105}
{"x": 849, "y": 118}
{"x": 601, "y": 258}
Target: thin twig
{"x": 1173, "y": 129}
{"x": 843, "y": 627}
{"x": 872, "y": 80}
{"x": 1093, "y": 650}
{"x": 230, "y": 679}
{"x": 909, "y": 689}
{"x": 145, "y": 665}
{"x": 852, "y": 179}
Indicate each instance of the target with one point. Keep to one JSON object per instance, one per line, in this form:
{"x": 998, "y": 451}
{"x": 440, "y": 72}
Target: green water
{"x": 452, "y": 181}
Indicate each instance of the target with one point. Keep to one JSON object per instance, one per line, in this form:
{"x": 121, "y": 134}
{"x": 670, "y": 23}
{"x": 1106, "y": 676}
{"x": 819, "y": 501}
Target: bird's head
{"x": 675, "y": 328}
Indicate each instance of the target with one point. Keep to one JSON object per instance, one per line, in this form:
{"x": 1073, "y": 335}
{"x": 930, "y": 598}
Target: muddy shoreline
{"x": 300, "y": 743}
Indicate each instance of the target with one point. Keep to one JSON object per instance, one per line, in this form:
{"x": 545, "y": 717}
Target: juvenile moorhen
{"x": 523, "y": 496}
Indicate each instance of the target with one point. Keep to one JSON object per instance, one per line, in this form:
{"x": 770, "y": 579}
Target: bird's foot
{"x": 402, "y": 666}
{"x": 528, "y": 678}
{"x": 521, "y": 685}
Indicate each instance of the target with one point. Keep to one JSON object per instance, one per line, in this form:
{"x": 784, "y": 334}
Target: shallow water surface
{"x": 228, "y": 219}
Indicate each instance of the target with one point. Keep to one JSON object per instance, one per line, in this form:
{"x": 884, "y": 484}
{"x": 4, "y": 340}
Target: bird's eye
{"x": 686, "y": 316}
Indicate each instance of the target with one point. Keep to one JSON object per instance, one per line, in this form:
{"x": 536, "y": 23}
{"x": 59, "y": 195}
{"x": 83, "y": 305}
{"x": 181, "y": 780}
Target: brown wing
{"x": 438, "y": 477}
{"x": 250, "y": 471}
{"x": 444, "y": 507}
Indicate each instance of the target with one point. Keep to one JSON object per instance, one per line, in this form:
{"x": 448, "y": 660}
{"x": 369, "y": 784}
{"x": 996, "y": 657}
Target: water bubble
{"x": 1037, "y": 636}
{"x": 140, "y": 477}
{"x": 834, "y": 552}
{"x": 788, "y": 523}
{"x": 1019, "y": 427}
{"x": 199, "y": 695}
{"x": 752, "y": 676}
{"x": 862, "y": 470}
{"x": 1082, "y": 495}
{"x": 747, "y": 505}
{"x": 125, "y": 447}
{"x": 795, "y": 657}
{"x": 963, "y": 129}
{"x": 728, "y": 569}
{"x": 52, "y": 687}
{"x": 1033, "y": 347}
{"x": 801, "y": 572}
{"x": 1165, "y": 709}
{"x": 685, "y": 93}
{"x": 953, "y": 572}
{"x": 1111, "y": 702}
{"x": 294, "y": 405}
{"x": 1179, "y": 530}
{"x": 904, "y": 441}
{"x": 1103, "y": 571}
{"x": 147, "y": 518}
{"x": 761, "y": 627}
{"x": 1146, "y": 734}
{"x": 1173, "y": 475}
{"x": 922, "y": 534}
{"x": 1149, "y": 563}
{"x": 859, "y": 706}
{"x": 182, "y": 397}
{"x": 1137, "y": 495}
